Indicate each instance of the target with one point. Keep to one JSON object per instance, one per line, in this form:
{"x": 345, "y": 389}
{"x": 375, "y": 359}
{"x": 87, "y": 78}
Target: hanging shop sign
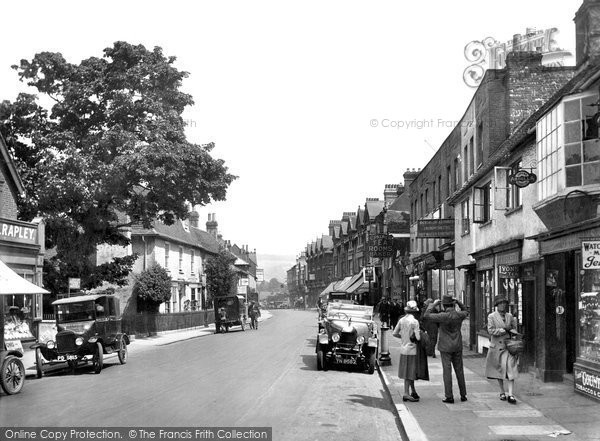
{"x": 522, "y": 178}
{"x": 381, "y": 245}
{"x": 508, "y": 271}
{"x": 368, "y": 274}
{"x": 590, "y": 254}
{"x": 435, "y": 228}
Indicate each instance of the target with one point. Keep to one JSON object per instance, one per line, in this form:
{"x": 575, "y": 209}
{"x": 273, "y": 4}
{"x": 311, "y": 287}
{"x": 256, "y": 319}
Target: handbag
{"x": 515, "y": 345}
{"x": 424, "y": 339}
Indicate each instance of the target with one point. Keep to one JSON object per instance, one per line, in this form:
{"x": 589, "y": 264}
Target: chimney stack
{"x": 409, "y": 176}
{"x": 194, "y": 219}
{"x": 212, "y": 225}
{"x": 587, "y": 32}
{"x": 390, "y": 193}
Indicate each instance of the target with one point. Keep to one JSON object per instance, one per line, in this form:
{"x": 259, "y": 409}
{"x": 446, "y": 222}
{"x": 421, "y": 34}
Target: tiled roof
{"x": 373, "y": 208}
{"x": 177, "y": 233}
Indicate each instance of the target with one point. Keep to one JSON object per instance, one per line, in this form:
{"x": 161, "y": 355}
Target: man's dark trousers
{"x": 455, "y": 359}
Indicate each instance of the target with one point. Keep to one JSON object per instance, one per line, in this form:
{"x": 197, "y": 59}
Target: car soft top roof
{"x": 79, "y": 299}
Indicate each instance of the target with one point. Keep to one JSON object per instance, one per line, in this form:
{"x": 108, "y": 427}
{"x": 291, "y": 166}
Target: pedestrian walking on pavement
{"x": 501, "y": 364}
{"x": 450, "y": 343}
{"x": 432, "y": 329}
{"x": 407, "y": 330}
{"x": 384, "y": 311}
{"x": 395, "y": 313}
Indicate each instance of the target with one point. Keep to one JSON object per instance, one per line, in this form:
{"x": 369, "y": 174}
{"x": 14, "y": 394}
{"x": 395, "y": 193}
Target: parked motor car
{"x": 229, "y": 311}
{"x": 88, "y": 328}
{"x": 347, "y": 336}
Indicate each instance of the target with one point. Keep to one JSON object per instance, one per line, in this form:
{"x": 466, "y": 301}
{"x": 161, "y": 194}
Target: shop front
{"x": 435, "y": 271}
{"x": 21, "y": 261}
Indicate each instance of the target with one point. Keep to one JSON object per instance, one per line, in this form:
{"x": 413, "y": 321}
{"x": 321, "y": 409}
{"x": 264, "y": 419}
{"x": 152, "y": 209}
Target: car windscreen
{"x": 75, "y": 312}
{"x": 354, "y": 311}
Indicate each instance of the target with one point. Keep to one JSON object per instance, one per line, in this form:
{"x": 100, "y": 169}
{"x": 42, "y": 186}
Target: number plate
{"x": 347, "y": 361}
{"x": 66, "y": 357}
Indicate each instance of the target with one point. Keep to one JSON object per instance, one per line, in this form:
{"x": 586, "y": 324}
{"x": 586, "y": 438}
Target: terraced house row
{"x": 509, "y": 204}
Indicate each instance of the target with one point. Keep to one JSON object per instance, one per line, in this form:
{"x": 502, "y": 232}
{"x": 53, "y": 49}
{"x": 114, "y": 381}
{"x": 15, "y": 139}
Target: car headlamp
{"x": 79, "y": 341}
{"x": 335, "y": 337}
{"x": 50, "y": 344}
{"x": 360, "y": 340}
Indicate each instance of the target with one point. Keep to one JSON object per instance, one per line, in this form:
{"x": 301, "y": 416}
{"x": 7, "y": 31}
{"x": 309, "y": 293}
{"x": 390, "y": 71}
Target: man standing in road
{"x": 450, "y": 342}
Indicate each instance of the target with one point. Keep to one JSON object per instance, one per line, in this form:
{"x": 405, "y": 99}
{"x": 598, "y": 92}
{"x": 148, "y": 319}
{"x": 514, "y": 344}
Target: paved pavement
{"x": 543, "y": 410}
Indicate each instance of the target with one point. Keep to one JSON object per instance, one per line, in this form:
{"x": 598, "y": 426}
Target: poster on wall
{"x": 552, "y": 278}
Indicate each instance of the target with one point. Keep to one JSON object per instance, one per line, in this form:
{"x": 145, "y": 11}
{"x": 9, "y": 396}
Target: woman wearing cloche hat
{"x": 407, "y": 330}
{"x": 500, "y": 364}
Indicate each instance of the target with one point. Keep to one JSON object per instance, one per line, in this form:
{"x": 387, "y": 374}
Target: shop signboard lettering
{"x": 586, "y": 382}
{"x": 435, "y": 228}
{"x": 508, "y": 271}
{"x": 522, "y": 178}
{"x": 381, "y": 245}
{"x": 18, "y": 232}
{"x": 590, "y": 254}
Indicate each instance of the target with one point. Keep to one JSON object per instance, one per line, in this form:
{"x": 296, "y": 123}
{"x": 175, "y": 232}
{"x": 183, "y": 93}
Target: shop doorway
{"x": 527, "y": 326}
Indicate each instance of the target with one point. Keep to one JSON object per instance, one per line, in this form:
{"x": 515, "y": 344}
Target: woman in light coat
{"x": 407, "y": 330}
{"x": 500, "y": 364}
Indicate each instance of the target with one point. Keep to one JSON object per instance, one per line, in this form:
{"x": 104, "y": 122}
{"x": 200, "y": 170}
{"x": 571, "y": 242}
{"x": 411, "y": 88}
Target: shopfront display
{"x": 587, "y": 368}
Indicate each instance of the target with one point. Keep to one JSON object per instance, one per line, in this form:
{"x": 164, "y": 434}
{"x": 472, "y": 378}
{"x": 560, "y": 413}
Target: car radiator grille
{"x": 348, "y": 339}
{"x": 65, "y": 342}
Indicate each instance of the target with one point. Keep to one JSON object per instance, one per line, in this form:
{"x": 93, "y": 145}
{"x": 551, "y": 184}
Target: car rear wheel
{"x": 39, "y": 362}
{"x": 122, "y": 351}
{"x": 320, "y": 359}
{"x": 12, "y": 375}
{"x": 98, "y": 358}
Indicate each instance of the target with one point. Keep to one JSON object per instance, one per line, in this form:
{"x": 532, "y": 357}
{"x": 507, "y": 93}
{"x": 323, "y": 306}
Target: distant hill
{"x": 276, "y": 265}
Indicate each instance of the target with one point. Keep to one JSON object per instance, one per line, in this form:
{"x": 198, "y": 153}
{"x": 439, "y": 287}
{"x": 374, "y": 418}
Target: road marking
{"x": 527, "y": 430}
{"x": 512, "y": 413}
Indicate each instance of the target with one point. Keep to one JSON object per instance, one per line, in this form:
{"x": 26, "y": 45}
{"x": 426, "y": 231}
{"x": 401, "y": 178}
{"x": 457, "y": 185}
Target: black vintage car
{"x": 229, "y": 311}
{"x": 347, "y": 336}
{"x": 88, "y": 328}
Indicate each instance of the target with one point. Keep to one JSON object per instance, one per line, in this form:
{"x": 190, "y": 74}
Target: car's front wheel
{"x": 98, "y": 358}
{"x": 39, "y": 362}
{"x": 12, "y": 375}
{"x": 122, "y": 351}
{"x": 320, "y": 359}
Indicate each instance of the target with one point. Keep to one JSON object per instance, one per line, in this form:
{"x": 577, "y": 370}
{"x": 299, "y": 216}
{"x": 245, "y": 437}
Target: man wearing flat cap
{"x": 450, "y": 342}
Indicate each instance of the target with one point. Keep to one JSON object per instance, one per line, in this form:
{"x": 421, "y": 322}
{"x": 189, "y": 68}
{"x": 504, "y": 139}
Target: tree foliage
{"x": 110, "y": 151}
{"x": 221, "y": 278}
{"x": 152, "y": 287}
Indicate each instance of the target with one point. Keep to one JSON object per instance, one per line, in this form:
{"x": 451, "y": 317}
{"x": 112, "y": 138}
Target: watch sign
{"x": 590, "y": 254}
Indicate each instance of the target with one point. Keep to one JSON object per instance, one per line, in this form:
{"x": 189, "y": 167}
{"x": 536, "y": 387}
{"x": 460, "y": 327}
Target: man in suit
{"x": 450, "y": 342}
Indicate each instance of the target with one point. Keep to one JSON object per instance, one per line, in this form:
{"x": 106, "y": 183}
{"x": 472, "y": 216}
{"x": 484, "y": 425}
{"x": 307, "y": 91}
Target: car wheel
{"x": 320, "y": 359}
{"x": 122, "y": 351}
{"x": 371, "y": 363}
{"x": 243, "y": 326}
{"x": 12, "y": 375}
{"x": 325, "y": 362}
{"x": 39, "y": 362}
{"x": 98, "y": 358}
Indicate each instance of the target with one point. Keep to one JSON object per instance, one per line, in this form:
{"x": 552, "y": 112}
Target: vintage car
{"x": 229, "y": 311}
{"x": 347, "y": 336}
{"x": 88, "y": 328}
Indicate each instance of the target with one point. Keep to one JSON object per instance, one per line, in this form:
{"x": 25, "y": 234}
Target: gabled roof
{"x": 327, "y": 243}
{"x": 372, "y": 209}
{"x": 344, "y": 231}
{"x": 352, "y": 223}
{"x": 359, "y": 217}
{"x": 10, "y": 165}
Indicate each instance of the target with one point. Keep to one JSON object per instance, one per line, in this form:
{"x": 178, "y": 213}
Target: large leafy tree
{"x": 221, "y": 277}
{"x": 109, "y": 151}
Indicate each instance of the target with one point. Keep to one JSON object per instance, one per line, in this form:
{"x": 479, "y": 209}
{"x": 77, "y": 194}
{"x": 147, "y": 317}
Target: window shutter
{"x": 501, "y": 187}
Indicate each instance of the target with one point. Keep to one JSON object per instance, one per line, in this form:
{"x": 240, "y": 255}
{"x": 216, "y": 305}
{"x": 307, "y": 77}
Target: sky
{"x": 314, "y": 105}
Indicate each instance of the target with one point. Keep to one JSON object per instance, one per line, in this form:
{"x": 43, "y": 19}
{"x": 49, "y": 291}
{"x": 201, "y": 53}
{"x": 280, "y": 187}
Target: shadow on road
{"x": 382, "y": 402}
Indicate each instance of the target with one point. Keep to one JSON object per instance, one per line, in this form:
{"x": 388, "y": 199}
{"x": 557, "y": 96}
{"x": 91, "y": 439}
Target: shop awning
{"x": 12, "y": 283}
{"x": 327, "y": 290}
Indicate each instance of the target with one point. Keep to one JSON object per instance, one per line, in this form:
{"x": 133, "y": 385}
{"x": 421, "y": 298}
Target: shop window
{"x": 589, "y": 314}
{"x": 481, "y": 204}
{"x": 18, "y": 316}
{"x": 511, "y": 288}
{"x": 486, "y": 295}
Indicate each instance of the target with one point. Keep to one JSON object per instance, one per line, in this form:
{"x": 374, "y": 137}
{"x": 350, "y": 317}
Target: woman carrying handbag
{"x": 500, "y": 363}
